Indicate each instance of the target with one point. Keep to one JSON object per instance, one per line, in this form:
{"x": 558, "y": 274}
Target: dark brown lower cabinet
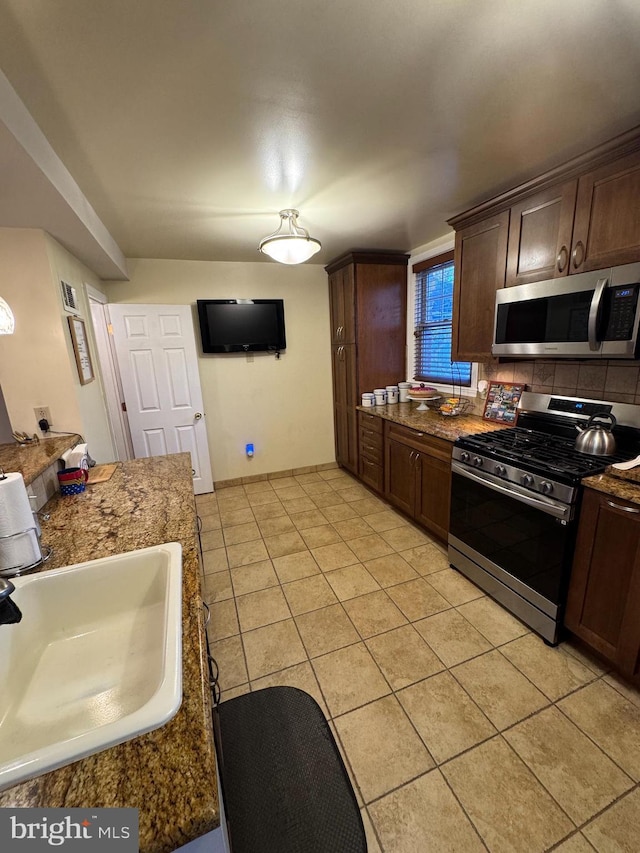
{"x": 603, "y": 604}
{"x": 418, "y": 476}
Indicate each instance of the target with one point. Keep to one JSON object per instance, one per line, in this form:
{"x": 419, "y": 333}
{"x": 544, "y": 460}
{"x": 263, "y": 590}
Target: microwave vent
{"x": 69, "y": 298}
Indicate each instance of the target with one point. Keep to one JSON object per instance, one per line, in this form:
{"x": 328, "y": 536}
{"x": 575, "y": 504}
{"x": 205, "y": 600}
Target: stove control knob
{"x": 477, "y": 461}
{"x": 546, "y": 487}
{"x": 500, "y": 470}
{"x": 528, "y": 481}
{"x": 464, "y": 456}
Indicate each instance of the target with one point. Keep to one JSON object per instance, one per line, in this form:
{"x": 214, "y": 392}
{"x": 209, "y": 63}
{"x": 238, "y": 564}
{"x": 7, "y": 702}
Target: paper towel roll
{"x": 15, "y": 517}
{"x": 77, "y": 457}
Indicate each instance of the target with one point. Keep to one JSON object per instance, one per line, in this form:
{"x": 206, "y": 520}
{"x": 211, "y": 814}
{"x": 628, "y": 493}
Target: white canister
{"x": 368, "y": 399}
{"x": 403, "y": 391}
{"x": 381, "y": 396}
{"x": 392, "y": 394}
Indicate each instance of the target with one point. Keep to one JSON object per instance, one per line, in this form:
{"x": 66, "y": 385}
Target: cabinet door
{"x": 342, "y": 305}
{"x": 336, "y": 306}
{"x": 433, "y": 495}
{"x": 607, "y": 223}
{"x": 604, "y": 591}
{"x": 400, "y": 475}
{"x": 370, "y": 472}
{"x": 540, "y": 235}
{"x": 381, "y": 299}
{"x": 480, "y": 267}
{"x": 343, "y": 358}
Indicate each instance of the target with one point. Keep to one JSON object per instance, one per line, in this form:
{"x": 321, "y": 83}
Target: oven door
{"x": 522, "y": 539}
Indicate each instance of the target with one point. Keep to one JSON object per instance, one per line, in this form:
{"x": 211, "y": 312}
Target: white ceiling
{"x": 188, "y": 124}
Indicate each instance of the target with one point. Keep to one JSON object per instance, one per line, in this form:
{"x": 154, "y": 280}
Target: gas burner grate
{"x": 554, "y": 454}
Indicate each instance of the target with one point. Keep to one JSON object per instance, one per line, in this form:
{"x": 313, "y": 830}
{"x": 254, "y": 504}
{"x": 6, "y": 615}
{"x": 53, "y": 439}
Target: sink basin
{"x": 95, "y": 661}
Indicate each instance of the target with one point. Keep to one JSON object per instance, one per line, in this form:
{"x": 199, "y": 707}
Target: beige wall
{"x": 284, "y": 407}
{"x": 90, "y": 397}
{"x": 37, "y": 367}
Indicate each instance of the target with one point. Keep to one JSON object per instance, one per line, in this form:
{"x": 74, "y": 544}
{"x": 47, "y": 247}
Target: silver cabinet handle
{"x": 630, "y": 509}
{"x": 198, "y": 416}
{"x": 561, "y": 260}
{"x": 574, "y": 254}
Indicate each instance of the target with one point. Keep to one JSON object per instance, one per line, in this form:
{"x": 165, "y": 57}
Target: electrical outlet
{"x": 42, "y": 412}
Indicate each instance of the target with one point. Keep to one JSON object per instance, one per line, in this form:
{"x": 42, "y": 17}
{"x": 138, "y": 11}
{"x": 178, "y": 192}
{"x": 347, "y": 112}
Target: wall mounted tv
{"x": 242, "y": 325}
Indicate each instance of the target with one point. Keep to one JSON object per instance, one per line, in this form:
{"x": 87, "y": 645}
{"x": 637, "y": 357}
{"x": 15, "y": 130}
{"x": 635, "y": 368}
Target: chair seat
{"x": 285, "y": 786}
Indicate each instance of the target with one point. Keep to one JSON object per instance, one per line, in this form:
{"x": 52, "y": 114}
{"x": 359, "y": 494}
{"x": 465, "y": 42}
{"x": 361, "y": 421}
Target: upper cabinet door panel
{"x": 607, "y": 222}
{"x": 336, "y": 306}
{"x": 480, "y": 267}
{"x": 540, "y": 235}
{"x": 342, "y": 305}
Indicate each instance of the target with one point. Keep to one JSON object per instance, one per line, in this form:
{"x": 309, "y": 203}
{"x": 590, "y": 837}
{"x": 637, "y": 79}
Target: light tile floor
{"x": 461, "y": 730}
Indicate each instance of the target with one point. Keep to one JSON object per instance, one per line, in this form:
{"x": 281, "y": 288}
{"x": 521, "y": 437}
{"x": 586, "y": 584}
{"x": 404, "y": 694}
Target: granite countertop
{"x": 431, "y": 422}
{"x": 168, "y": 774}
{"x": 618, "y": 484}
{"x": 32, "y": 459}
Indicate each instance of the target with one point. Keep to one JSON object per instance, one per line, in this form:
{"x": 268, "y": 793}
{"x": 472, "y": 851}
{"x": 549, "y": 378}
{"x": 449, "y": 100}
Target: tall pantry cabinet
{"x": 368, "y": 309}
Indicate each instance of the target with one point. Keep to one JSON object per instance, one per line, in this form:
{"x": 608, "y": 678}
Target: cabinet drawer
{"x": 372, "y": 451}
{"x": 371, "y": 473}
{"x": 371, "y": 422}
{"x": 368, "y": 436}
{"x": 420, "y": 441}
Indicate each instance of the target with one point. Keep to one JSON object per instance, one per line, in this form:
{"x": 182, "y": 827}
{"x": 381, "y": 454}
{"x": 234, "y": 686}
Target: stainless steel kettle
{"x": 597, "y": 439}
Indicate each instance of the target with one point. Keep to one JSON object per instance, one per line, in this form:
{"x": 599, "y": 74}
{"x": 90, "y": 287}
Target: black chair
{"x": 285, "y": 786}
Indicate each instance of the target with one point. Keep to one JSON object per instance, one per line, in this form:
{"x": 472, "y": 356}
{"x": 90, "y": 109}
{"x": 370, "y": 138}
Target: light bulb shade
{"x": 288, "y": 249}
{"x": 290, "y": 246}
{"x": 7, "y": 321}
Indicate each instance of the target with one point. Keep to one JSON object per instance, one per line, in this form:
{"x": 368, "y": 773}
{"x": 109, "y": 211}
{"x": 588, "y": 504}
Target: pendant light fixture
{"x": 291, "y": 243}
{"x": 7, "y": 321}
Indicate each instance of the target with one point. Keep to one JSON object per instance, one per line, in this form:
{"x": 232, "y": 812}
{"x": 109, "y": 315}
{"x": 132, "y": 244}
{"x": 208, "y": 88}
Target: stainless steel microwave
{"x": 589, "y": 315}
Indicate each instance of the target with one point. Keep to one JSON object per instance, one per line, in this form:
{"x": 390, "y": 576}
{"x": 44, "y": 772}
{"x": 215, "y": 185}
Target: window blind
{"x": 433, "y": 313}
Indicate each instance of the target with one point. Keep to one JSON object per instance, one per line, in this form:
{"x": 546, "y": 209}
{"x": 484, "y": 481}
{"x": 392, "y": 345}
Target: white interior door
{"x": 156, "y": 352}
{"x": 118, "y": 423}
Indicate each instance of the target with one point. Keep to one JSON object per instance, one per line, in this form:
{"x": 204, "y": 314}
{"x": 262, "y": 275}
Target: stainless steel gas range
{"x": 515, "y": 499}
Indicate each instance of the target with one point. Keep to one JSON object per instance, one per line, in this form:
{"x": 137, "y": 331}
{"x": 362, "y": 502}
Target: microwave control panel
{"x": 622, "y": 305}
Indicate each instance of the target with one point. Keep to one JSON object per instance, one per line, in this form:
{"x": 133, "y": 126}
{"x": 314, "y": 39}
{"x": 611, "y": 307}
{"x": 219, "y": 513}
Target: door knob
{"x": 198, "y": 416}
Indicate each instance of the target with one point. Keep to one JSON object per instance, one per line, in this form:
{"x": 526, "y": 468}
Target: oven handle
{"x": 513, "y": 491}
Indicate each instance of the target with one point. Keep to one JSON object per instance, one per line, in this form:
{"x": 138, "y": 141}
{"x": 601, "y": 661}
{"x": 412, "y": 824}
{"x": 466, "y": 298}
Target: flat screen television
{"x": 242, "y": 325}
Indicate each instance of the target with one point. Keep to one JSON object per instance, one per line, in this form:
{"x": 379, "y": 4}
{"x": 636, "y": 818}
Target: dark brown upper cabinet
{"x": 480, "y": 263}
{"x": 580, "y": 216}
{"x": 540, "y": 229}
{"x": 606, "y": 230}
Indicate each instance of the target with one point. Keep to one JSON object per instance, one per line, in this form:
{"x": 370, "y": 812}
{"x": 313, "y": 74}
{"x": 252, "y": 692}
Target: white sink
{"x": 95, "y": 661}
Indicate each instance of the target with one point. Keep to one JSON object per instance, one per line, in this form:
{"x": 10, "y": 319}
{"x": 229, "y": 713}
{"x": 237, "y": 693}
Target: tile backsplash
{"x": 602, "y": 380}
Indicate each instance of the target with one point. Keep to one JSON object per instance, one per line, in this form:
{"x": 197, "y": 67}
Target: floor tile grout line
{"x": 464, "y": 811}
{"x": 435, "y": 769}
{"x": 588, "y": 736}
{"x": 531, "y": 682}
{"x": 551, "y": 703}
{"x": 562, "y": 841}
{"x": 375, "y": 830}
{"x": 609, "y": 806}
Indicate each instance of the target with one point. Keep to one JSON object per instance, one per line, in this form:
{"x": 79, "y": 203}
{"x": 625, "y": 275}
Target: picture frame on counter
{"x": 501, "y": 405}
{"x": 81, "y": 350}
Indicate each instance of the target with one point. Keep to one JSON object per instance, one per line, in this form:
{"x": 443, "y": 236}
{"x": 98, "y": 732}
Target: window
{"x": 432, "y": 328}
